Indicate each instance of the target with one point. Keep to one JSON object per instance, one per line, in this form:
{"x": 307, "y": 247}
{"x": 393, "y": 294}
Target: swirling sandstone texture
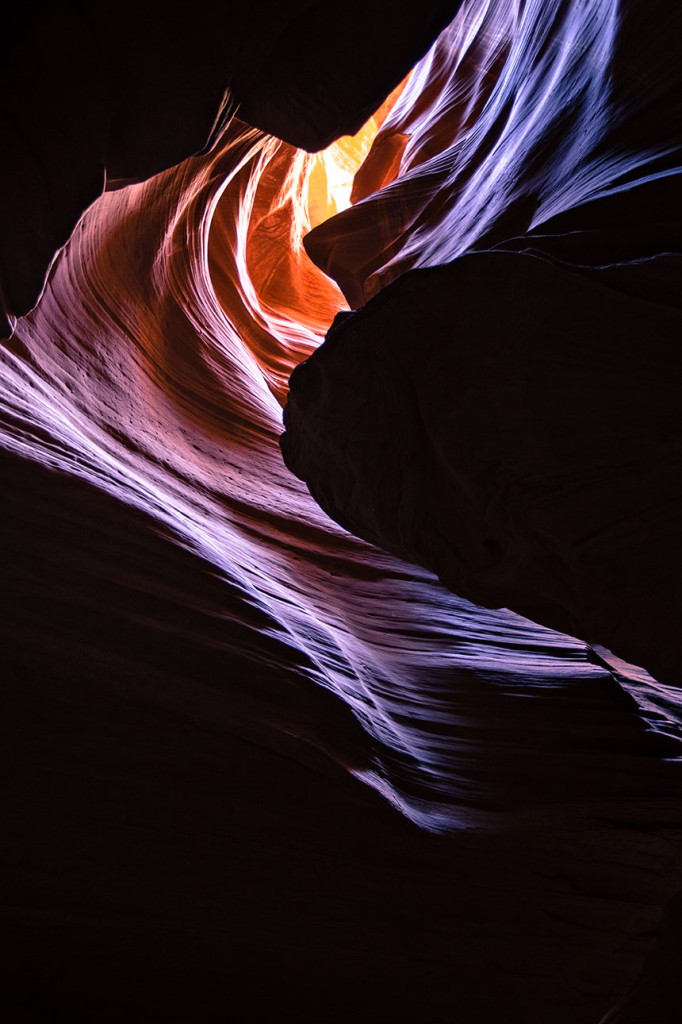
{"x": 260, "y": 768}
{"x": 510, "y": 419}
{"x": 92, "y": 94}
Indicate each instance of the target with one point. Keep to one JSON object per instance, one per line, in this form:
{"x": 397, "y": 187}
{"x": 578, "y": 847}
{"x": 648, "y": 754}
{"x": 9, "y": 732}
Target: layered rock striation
{"x": 259, "y": 768}
{"x": 508, "y": 417}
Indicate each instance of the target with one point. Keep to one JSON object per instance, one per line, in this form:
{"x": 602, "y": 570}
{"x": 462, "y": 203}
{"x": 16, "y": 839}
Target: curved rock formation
{"x": 527, "y": 452}
{"x": 260, "y": 768}
{"x": 90, "y": 95}
{"x": 509, "y": 419}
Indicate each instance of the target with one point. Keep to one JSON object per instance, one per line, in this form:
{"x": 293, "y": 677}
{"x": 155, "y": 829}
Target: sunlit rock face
{"x": 265, "y": 770}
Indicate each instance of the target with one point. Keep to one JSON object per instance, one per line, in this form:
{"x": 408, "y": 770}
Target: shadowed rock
{"x": 503, "y": 422}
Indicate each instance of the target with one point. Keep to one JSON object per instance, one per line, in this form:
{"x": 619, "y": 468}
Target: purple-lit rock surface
{"x": 259, "y": 769}
{"x": 510, "y": 419}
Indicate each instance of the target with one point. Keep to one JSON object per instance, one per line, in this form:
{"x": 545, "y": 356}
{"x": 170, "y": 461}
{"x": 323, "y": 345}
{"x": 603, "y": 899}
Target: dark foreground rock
{"x": 513, "y": 424}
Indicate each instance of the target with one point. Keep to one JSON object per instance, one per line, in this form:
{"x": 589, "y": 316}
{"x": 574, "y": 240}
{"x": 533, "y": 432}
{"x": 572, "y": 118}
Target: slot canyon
{"x": 340, "y": 436}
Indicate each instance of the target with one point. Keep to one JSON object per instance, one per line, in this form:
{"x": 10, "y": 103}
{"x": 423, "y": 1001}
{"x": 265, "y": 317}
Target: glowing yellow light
{"x": 331, "y": 178}
{"x": 330, "y": 181}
